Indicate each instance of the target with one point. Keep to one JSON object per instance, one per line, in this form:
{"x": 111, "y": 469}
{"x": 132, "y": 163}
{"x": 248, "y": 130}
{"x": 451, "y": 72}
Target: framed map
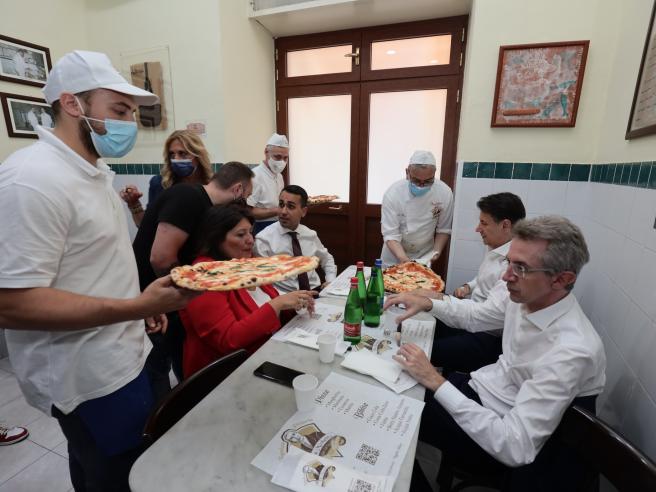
{"x": 539, "y": 84}
{"x": 642, "y": 120}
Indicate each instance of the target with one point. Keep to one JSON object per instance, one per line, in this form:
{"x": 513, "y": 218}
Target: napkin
{"x": 368, "y": 363}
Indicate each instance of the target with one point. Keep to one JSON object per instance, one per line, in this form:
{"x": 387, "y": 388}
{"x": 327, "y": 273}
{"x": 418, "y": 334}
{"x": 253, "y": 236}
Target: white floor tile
{"x": 16, "y": 457}
{"x": 5, "y": 365}
{"x": 62, "y": 449}
{"x": 46, "y": 432}
{"x": 48, "y": 473}
{"x": 9, "y": 390}
{"x": 18, "y": 412}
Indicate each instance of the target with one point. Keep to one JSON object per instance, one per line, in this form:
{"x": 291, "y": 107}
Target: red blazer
{"x": 218, "y": 323}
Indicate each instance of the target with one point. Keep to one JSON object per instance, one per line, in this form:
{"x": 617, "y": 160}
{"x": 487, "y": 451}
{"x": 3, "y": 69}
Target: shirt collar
{"x": 545, "y": 317}
{"x": 284, "y": 230}
{"x": 47, "y": 136}
{"x": 501, "y": 250}
{"x": 268, "y": 171}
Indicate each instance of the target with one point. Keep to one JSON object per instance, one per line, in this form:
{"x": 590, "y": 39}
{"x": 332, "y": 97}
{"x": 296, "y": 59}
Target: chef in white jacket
{"x": 416, "y": 214}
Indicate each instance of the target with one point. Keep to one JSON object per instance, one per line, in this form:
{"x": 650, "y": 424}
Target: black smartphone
{"x": 279, "y": 374}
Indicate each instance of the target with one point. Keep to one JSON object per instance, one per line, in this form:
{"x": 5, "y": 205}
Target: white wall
{"x": 59, "y": 26}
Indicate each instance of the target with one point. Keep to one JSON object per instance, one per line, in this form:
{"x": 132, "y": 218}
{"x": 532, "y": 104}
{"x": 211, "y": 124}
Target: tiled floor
{"x": 41, "y": 461}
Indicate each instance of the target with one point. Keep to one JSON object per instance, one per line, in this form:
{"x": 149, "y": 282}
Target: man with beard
{"x": 69, "y": 292}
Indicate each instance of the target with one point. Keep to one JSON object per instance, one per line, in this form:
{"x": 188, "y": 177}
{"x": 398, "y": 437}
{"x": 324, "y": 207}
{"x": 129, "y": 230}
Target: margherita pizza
{"x": 318, "y": 199}
{"x": 241, "y": 272}
{"x": 409, "y": 276}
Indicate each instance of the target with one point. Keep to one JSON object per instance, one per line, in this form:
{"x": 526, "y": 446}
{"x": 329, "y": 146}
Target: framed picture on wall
{"x": 539, "y": 84}
{"x": 23, "y": 114}
{"x": 642, "y": 120}
{"x": 23, "y": 62}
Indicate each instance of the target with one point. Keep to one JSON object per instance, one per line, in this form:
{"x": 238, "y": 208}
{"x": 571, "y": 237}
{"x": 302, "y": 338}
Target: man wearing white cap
{"x": 69, "y": 290}
{"x": 268, "y": 182}
{"x": 416, "y": 214}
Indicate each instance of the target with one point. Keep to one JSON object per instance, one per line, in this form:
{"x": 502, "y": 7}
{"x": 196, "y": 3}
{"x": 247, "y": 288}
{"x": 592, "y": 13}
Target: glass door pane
{"x": 319, "y": 61}
{"x": 320, "y": 144}
{"x": 411, "y": 52}
{"x": 400, "y": 123}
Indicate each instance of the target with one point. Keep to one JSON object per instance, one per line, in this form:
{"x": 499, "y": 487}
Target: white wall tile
{"x": 634, "y": 337}
{"x": 619, "y": 208}
{"x": 643, "y": 213}
{"x": 616, "y": 317}
{"x": 647, "y": 370}
{"x": 120, "y": 180}
{"x": 639, "y": 425}
{"x": 467, "y": 254}
{"x": 578, "y": 198}
{"x": 546, "y": 197}
{"x": 519, "y": 187}
{"x": 465, "y": 226}
{"x": 457, "y": 277}
{"x": 645, "y": 289}
{"x": 628, "y": 264}
{"x": 611, "y": 405}
{"x": 471, "y": 190}
{"x": 610, "y": 251}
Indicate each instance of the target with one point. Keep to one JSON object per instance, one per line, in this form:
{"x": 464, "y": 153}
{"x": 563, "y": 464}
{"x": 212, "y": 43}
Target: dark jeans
{"x": 460, "y": 350}
{"x": 104, "y": 437}
{"x": 556, "y": 467}
{"x": 166, "y": 354}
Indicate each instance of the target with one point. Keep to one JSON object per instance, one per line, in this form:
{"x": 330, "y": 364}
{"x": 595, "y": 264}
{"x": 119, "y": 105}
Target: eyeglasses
{"x": 422, "y": 183}
{"x": 520, "y": 270}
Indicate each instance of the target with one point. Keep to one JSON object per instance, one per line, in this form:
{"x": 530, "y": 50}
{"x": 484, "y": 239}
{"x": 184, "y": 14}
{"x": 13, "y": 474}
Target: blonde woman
{"x": 185, "y": 161}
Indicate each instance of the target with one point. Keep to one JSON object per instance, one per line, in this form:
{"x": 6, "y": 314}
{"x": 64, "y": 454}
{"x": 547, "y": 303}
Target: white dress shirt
{"x": 485, "y": 310}
{"x": 549, "y": 358}
{"x": 275, "y": 240}
{"x": 267, "y": 186}
{"x": 63, "y": 227}
{"x": 414, "y": 220}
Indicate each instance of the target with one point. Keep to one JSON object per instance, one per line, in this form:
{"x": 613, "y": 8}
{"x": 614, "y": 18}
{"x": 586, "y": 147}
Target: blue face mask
{"x": 182, "y": 167}
{"x": 119, "y": 137}
{"x": 418, "y": 190}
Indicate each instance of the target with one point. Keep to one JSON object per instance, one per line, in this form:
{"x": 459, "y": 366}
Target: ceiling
{"x": 297, "y": 19}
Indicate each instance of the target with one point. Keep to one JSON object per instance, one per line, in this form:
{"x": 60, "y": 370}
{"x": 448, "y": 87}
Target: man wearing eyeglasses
{"x": 416, "y": 214}
{"x": 499, "y": 418}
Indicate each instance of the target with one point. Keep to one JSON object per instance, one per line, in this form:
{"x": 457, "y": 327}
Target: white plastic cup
{"x": 327, "y": 343}
{"x": 305, "y": 389}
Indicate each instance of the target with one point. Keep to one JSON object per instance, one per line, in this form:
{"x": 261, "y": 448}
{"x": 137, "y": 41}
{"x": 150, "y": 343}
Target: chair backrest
{"x": 189, "y": 393}
{"x": 606, "y": 452}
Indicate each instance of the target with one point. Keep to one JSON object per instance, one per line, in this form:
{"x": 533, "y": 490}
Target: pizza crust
{"x": 409, "y": 276}
{"x": 241, "y": 273}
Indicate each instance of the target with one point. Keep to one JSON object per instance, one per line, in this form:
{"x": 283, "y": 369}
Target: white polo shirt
{"x": 64, "y": 227}
{"x": 266, "y": 189}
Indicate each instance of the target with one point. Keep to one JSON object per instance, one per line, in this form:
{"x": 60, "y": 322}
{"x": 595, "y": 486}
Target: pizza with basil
{"x": 241, "y": 272}
{"x": 409, "y": 276}
{"x": 319, "y": 199}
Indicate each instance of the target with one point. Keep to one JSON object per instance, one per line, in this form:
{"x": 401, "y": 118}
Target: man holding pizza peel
{"x": 69, "y": 292}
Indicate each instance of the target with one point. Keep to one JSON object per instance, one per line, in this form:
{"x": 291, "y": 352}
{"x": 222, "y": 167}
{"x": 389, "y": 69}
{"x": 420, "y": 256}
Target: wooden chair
{"x": 189, "y": 393}
{"x": 594, "y": 444}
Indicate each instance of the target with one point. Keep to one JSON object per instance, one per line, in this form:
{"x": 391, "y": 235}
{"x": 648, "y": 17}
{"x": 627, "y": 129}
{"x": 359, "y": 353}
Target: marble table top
{"x": 211, "y": 448}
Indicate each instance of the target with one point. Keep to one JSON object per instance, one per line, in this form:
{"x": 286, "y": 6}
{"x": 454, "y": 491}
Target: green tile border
{"x": 634, "y": 174}
{"x": 149, "y": 169}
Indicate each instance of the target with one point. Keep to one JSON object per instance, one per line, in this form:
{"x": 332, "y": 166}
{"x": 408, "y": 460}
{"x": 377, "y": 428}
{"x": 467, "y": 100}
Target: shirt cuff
{"x": 449, "y": 397}
{"x": 436, "y": 303}
{"x": 443, "y": 231}
{"x": 392, "y": 237}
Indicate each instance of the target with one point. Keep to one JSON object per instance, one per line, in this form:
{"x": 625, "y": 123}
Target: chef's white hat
{"x": 278, "y": 141}
{"x": 424, "y": 157}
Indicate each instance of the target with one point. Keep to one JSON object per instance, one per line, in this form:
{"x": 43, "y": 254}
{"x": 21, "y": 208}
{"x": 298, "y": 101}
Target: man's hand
{"x": 462, "y": 291}
{"x": 432, "y": 294}
{"x": 157, "y": 324}
{"x": 413, "y": 304}
{"x": 130, "y": 195}
{"x": 163, "y": 296}
{"x": 415, "y": 362}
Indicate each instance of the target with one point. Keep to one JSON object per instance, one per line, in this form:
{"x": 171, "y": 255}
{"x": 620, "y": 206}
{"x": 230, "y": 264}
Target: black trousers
{"x": 166, "y": 354}
{"x": 460, "y": 350}
{"x": 555, "y": 467}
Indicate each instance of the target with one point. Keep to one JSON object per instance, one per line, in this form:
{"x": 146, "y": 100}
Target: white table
{"x": 210, "y": 448}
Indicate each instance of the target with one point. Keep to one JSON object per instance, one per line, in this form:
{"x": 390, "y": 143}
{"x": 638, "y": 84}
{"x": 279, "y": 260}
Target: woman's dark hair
{"x": 214, "y": 227}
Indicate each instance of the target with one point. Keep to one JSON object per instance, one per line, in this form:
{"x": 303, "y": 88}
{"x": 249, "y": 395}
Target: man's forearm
{"x": 264, "y": 213}
{"x": 397, "y": 250}
{"x": 45, "y": 308}
{"x": 441, "y": 240}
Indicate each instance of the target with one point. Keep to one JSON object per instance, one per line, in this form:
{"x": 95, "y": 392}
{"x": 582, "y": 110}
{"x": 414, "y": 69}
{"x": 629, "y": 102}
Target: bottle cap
{"x": 378, "y": 262}
{"x": 354, "y": 280}
{"x": 360, "y": 264}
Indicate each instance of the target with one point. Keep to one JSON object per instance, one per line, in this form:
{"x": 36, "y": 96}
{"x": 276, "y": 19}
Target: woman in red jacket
{"x": 218, "y": 323}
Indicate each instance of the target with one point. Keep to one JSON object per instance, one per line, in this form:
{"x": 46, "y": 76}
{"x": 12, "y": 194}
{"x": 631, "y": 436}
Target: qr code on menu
{"x": 361, "y": 486}
{"x": 368, "y": 454}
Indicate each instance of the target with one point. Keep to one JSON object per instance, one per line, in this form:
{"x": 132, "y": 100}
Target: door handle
{"x": 355, "y": 56}
{"x": 338, "y": 207}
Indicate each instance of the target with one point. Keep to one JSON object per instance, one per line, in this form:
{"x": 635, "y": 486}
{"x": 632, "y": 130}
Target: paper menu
{"x": 341, "y": 286}
{"x": 327, "y": 318}
{"x": 300, "y": 471}
{"x": 365, "y": 427}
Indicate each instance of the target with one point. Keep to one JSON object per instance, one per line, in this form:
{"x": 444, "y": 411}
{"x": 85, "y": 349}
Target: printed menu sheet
{"x": 358, "y": 425}
{"x": 327, "y": 318}
{"x": 341, "y": 286}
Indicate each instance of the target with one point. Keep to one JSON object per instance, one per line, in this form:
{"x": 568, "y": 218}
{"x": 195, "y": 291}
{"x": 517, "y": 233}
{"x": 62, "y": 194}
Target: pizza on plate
{"x": 241, "y": 272}
{"x": 409, "y": 276}
{"x": 318, "y": 199}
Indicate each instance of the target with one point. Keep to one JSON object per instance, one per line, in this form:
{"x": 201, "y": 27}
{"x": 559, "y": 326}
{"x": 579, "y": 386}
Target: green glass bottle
{"x": 362, "y": 285}
{"x": 378, "y": 266}
{"x": 372, "y": 303}
{"x": 353, "y": 315}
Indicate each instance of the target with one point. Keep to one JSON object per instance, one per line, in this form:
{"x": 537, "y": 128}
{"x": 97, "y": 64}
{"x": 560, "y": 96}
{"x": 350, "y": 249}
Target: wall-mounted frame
{"x": 23, "y": 62}
{"x": 539, "y": 85}
{"x": 642, "y": 120}
{"x": 23, "y": 113}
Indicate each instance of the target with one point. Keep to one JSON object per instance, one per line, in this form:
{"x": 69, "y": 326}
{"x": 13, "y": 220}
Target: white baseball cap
{"x": 424, "y": 157}
{"x": 278, "y": 141}
{"x": 81, "y": 71}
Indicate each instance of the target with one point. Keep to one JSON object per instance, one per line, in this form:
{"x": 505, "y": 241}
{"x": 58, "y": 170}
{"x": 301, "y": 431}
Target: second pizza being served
{"x": 241, "y": 272}
{"x": 409, "y": 276}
